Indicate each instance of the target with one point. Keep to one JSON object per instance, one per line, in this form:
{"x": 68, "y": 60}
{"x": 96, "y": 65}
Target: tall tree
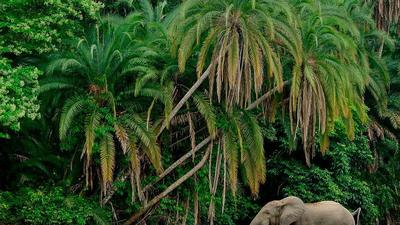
{"x": 237, "y": 40}
{"x": 93, "y": 80}
{"x": 329, "y": 76}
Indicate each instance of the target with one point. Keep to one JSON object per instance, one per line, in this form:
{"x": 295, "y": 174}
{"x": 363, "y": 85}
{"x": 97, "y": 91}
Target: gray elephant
{"x": 292, "y": 210}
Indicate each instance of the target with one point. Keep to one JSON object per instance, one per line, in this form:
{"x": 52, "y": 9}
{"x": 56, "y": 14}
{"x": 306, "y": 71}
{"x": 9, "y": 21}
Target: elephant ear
{"x": 292, "y": 210}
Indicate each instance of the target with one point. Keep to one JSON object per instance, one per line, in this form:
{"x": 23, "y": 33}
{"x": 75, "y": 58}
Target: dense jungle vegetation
{"x": 197, "y": 111}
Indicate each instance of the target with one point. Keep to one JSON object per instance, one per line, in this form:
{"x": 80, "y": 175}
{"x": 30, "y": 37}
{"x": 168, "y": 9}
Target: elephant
{"x": 292, "y": 210}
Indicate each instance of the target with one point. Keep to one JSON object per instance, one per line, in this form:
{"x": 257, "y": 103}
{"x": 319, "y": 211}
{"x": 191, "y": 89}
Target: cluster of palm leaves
{"x": 94, "y": 77}
{"x": 131, "y": 78}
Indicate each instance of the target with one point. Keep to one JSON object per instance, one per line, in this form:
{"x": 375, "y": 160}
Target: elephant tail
{"x": 356, "y": 215}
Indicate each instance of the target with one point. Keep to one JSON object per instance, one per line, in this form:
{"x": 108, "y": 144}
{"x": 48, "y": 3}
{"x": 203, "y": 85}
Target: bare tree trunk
{"x": 172, "y": 187}
{"x": 165, "y": 173}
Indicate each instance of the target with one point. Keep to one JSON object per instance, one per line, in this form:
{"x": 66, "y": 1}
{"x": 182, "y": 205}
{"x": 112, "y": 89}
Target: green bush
{"x": 41, "y": 26}
{"x": 49, "y": 205}
{"x": 18, "y": 95}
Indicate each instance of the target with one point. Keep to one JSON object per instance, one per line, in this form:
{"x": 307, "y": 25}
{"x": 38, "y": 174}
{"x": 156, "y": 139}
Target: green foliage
{"x": 50, "y": 205}
{"x": 31, "y": 156}
{"x": 19, "y": 88}
{"x": 36, "y": 27}
{"x": 331, "y": 71}
{"x": 111, "y": 83}
{"x": 237, "y": 40}
{"x": 237, "y": 209}
{"x": 385, "y": 181}
{"x": 92, "y": 79}
{"x": 340, "y": 175}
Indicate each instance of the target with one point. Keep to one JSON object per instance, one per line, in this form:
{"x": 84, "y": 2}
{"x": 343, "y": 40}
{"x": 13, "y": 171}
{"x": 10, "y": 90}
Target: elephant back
{"x": 327, "y": 213}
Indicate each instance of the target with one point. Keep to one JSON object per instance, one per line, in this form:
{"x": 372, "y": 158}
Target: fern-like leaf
{"x": 138, "y": 128}
{"x": 204, "y": 106}
{"x": 122, "y": 136}
{"x": 107, "y": 159}
{"x": 71, "y": 108}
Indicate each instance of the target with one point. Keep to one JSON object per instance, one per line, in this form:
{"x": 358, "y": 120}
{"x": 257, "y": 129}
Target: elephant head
{"x": 280, "y": 212}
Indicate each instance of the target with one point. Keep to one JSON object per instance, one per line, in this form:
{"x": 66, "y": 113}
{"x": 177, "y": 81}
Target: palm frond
{"x": 56, "y": 83}
{"x": 122, "y": 135}
{"x": 92, "y": 121}
{"x": 254, "y": 163}
{"x": 204, "y": 106}
{"x": 107, "y": 160}
{"x": 237, "y": 39}
{"x": 133, "y": 156}
{"x": 71, "y": 109}
{"x": 232, "y": 154}
{"x": 147, "y": 9}
{"x": 63, "y": 65}
{"x": 147, "y": 137}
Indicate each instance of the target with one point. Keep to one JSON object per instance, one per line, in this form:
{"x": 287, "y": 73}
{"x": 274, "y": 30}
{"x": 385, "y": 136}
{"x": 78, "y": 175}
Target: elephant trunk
{"x": 258, "y": 221}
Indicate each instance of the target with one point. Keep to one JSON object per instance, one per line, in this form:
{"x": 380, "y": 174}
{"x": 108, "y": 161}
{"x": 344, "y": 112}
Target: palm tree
{"x": 242, "y": 145}
{"x": 329, "y": 76}
{"x": 93, "y": 79}
{"x": 237, "y": 39}
{"x": 372, "y": 43}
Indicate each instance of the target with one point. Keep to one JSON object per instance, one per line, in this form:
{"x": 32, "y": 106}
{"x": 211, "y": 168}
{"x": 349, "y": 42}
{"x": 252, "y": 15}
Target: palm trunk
{"x": 183, "y": 100}
{"x": 208, "y": 139}
{"x": 199, "y": 146}
{"x": 265, "y": 96}
{"x": 172, "y": 187}
{"x": 196, "y": 208}
{"x": 178, "y": 162}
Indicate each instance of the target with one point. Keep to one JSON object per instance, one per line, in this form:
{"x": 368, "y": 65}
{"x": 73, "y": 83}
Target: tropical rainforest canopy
{"x": 197, "y": 111}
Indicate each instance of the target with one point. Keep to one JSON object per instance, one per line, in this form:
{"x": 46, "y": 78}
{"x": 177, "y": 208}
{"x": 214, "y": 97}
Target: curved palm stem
{"x": 184, "y": 99}
{"x": 178, "y": 162}
{"x": 170, "y": 188}
{"x": 198, "y": 147}
{"x": 265, "y": 96}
